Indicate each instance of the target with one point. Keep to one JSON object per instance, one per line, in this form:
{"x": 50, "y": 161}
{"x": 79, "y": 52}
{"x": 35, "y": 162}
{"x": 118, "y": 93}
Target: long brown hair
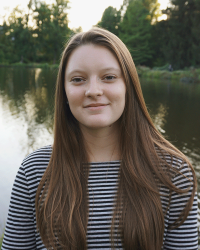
{"x": 61, "y": 199}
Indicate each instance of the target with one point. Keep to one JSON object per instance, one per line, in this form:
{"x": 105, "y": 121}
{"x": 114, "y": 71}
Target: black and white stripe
{"x": 102, "y": 186}
{"x": 21, "y": 233}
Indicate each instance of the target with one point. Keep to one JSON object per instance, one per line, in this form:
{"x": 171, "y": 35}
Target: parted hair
{"x": 146, "y": 165}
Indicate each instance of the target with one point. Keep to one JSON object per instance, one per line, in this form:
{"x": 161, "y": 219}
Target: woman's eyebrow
{"x": 75, "y": 71}
{"x": 111, "y": 69}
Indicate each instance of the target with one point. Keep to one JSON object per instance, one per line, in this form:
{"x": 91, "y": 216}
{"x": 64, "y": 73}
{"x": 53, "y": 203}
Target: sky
{"x": 84, "y": 13}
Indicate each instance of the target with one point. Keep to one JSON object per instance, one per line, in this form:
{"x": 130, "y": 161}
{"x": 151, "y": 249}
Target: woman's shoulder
{"x": 30, "y": 173}
{"x": 178, "y": 167}
{"x": 38, "y": 155}
{"x": 175, "y": 160}
{"x": 37, "y": 161}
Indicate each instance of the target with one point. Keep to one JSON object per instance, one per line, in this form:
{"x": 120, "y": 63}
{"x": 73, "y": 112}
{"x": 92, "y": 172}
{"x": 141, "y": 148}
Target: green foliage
{"x": 152, "y": 6}
{"x": 133, "y": 27}
{"x": 164, "y": 67}
{"x": 6, "y": 45}
{"x": 141, "y": 70}
{"x": 1, "y": 241}
{"x": 18, "y": 38}
{"x": 41, "y": 42}
{"x": 110, "y": 20}
{"x": 157, "y": 74}
{"x": 2, "y": 54}
{"x": 52, "y": 29}
{"x": 135, "y": 32}
{"x": 35, "y": 65}
{"x": 172, "y": 41}
{"x": 187, "y": 76}
{"x": 179, "y": 35}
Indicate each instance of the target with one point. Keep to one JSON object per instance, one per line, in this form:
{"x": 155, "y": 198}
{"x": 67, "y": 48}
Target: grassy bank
{"x": 188, "y": 76}
{"x": 31, "y": 65}
{"x": 1, "y": 239}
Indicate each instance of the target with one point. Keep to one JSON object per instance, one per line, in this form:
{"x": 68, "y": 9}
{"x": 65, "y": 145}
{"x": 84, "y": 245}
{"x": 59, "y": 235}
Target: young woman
{"x": 110, "y": 180}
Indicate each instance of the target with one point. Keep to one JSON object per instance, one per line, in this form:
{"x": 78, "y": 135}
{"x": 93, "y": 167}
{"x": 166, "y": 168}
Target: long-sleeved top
{"x": 21, "y": 233}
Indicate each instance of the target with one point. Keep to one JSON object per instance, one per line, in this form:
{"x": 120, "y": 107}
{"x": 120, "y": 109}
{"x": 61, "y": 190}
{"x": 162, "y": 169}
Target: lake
{"x": 26, "y": 119}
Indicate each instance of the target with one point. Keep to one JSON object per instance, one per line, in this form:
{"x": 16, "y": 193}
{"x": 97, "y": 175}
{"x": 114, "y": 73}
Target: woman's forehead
{"x": 91, "y": 56}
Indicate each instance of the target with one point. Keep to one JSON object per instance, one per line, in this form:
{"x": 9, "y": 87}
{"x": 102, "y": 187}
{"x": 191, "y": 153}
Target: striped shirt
{"x": 20, "y": 232}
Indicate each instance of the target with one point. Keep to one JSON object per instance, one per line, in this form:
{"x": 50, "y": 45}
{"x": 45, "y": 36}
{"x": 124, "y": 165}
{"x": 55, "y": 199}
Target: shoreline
{"x": 190, "y": 75}
{"x": 30, "y": 65}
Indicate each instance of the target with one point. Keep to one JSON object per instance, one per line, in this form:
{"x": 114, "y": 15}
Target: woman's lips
{"x": 95, "y": 106}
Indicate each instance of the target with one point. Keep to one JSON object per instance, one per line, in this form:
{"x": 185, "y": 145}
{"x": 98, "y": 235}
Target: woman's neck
{"x": 102, "y": 144}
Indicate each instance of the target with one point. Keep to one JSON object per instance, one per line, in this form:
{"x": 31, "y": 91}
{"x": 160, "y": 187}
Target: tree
{"x": 5, "y": 44}
{"x": 51, "y": 29}
{"x": 19, "y": 36}
{"x": 158, "y": 33}
{"x": 41, "y": 42}
{"x": 110, "y": 20}
{"x": 152, "y": 6}
{"x": 179, "y": 35}
{"x": 195, "y": 30}
{"x": 135, "y": 32}
{"x": 60, "y": 29}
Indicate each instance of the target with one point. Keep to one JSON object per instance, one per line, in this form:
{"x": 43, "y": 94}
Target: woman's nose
{"x": 94, "y": 88}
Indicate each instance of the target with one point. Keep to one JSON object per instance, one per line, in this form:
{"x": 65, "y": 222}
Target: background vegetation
{"x": 1, "y": 240}
{"x": 39, "y": 35}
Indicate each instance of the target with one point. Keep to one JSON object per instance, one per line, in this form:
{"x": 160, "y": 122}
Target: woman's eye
{"x": 77, "y": 79}
{"x": 110, "y": 77}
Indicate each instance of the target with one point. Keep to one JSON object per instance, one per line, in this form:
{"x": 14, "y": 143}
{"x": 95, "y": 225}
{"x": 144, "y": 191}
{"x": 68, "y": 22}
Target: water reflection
{"x": 26, "y": 119}
{"x": 159, "y": 118}
{"x": 175, "y": 109}
{"x": 28, "y": 96}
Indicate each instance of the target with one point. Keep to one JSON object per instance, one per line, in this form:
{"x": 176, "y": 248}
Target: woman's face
{"x": 95, "y": 86}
